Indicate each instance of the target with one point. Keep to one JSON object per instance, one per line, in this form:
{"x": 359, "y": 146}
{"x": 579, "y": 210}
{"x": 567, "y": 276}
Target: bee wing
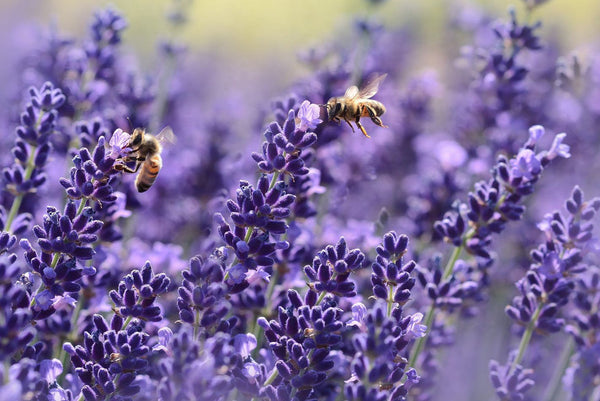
{"x": 351, "y": 92}
{"x": 166, "y": 136}
{"x": 371, "y": 87}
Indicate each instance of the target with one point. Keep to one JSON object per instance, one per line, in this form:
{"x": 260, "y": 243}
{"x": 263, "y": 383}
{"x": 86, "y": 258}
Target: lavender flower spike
{"x": 31, "y": 151}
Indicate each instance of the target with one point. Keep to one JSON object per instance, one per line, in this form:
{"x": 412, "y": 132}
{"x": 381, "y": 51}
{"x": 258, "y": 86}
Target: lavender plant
{"x": 319, "y": 265}
{"x": 546, "y": 290}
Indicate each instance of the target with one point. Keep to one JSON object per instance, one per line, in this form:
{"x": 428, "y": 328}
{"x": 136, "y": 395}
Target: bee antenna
{"x": 130, "y": 124}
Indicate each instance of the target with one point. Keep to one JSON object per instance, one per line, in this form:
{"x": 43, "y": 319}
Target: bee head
{"x": 333, "y": 107}
{"x": 136, "y": 138}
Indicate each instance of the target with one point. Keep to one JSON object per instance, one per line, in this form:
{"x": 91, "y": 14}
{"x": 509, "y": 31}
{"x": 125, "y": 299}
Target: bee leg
{"x": 374, "y": 117}
{"x": 138, "y": 165}
{"x": 378, "y": 121}
{"x": 349, "y": 124}
{"x": 124, "y": 168}
{"x": 127, "y": 159}
{"x": 362, "y": 129}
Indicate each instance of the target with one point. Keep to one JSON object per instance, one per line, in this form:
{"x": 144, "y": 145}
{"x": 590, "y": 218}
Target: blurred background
{"x": 268, "y": 35}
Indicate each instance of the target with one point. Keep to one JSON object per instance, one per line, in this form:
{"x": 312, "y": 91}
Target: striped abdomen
{"x": 371, "y": 108}
{"x": 148, "y": 172}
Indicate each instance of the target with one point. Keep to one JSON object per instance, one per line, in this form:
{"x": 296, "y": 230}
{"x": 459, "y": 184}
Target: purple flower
{"x": 201, "y": 296}
{"x": 510, "y": 384}
{"x": 118, "y": 144}
{"x": 414, "y": 328}
{"x": 63, "y": 302}
{"x": 165, "y": 335}
{"x": 412, "y": 378}
{"x": 525, "y": 165}
{"x": 202, "y": 370}
{"x": 251, "y": 371}
{"x": 43, "y": 300}
{"x": 551, "y": 266}
{"x": 137, "y": 293}
{"x": 51, "y": 369}
{"x": 282, "y": 152}
{"x": 258, "y": 275}
{"x": 109, "y": 358}
{"x": 238, "y": 273}
{"x": 535, "y": 133}
{"x": 391, "y": 278}
{"x": 89, "y": 132}
{"x": 559, "y": 149}
{"x": 302, "y": 337}
{"x": 359, "y": 312}
{"x": 308, "y": 116}
{"x": 31, "y": 152}
{"x": 244, "y": 344}
{"x": 331, "y": 268}
{"x": 15, "y": 328}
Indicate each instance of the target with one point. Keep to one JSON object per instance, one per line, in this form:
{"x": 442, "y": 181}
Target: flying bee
{"x": 145, "y": 152}
{"x": 357, "y": 103}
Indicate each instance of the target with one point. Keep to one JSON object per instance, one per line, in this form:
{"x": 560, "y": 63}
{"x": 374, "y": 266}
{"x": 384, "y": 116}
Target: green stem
{"x": 81, "y": 206}
{"x": 421, "y": 341}
{"x": 321, "y": 297}
{"x": 6, "y": 371}
{"x": 63, "y": 357}
{"x": 526, "y": 338}
{"x": 390, "y": 301}
{"x": 53, "y": 264}
{"x": 302, "y": 371}
{"x": 233, "y": 395}
{"x": 552, "y": 391}
{"x": 248, "y": 234}
{"x": 16, "y": 205}
{"x": 448, "y": 270}
{"x": 126, "y": 322}
{"x": 272, "y": 378}
{"x": 274, "y": 178}
{"x": 256, "y": 329}
{"x": 196, "y": 324}
{"x": 55, "y": 259}
{"x": 14, "y": 209}
{"x": 246, "y": 239}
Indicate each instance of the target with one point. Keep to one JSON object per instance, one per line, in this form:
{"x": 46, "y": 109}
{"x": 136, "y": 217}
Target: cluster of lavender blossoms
{"x": 318, "y": 264}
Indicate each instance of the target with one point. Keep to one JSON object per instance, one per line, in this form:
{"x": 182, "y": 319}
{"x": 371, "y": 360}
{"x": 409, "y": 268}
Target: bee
{"x": 357, "y": 103}
{"x": 145, "y": 152}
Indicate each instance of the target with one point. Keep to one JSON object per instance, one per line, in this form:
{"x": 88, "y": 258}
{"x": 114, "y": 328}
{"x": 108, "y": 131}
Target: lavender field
{"x": 388, "y": 222}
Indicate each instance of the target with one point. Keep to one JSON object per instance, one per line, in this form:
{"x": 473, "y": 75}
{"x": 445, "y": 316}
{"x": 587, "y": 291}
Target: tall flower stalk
{"x": 470, "y": 226}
